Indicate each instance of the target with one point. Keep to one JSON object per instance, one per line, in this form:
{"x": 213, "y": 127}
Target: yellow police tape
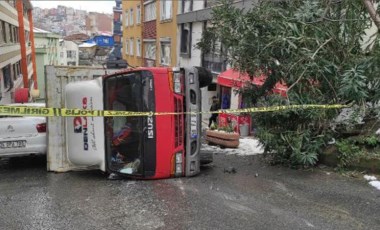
{"x": 64, "y": 112}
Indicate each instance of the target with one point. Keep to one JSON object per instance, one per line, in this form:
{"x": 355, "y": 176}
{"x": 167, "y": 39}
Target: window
{"x": 138, "y": 14}
{"x": 131, "y": 46}
{"x": 126, "y": 18}
{"x": 150, "y": 11}
{"x": 150, "y": 50}
{"x": 166, "y": 9}
{"x": 17, "y": 40}
{"x": 71, "y": 54}
{"x": 11, "y": 33}
{"x": 138, "y": 47}
{"x": 165, "y": 53}
{"x": 7, "y": 34}
{"x": 187, "y": 6}
{"x": 126, "y": 46}
{"x": 131, "y": 17}
{"x": 2, "y": 33}
{"x": 26, "y": 36}
{"x": 186, "y": 39}
{"x": 8, "y": 83}
{"x": 17, "y": 70}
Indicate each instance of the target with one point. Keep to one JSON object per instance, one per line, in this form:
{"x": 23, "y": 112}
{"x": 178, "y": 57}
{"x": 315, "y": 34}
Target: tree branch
{"x": 372, "y": 12}
{"x": 315, "y": 53}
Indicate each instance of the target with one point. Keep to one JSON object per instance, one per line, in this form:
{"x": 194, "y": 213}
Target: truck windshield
{"x": 124, "y": 134}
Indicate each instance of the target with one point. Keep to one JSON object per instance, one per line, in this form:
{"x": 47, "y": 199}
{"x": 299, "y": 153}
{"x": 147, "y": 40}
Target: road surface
{"x": 257, "y": 196}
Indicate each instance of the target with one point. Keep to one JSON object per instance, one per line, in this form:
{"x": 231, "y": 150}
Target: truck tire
{"x": 205, "y": 76}
{"x": 206, "y": 157}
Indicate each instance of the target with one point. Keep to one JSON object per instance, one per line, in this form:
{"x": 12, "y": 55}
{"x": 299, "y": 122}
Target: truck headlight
{"x": 177, "y": 82}
{"x": 191, "y": 78}
{"x": 178, "y": 164}
{"x": 178, "y": 169}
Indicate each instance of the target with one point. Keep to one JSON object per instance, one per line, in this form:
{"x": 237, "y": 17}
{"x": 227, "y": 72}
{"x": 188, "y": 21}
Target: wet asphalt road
{"x": 276, "y": 198}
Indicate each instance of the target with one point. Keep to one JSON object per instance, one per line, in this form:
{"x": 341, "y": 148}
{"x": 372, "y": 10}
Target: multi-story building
{"x": 132, "y": 29}
{"x": 149, "y": 32}
{"x": 17, "y": 59}
{"x": 192, "y": 19}
{"x": 68, "y": 52}
{"x": 47, "y": 53}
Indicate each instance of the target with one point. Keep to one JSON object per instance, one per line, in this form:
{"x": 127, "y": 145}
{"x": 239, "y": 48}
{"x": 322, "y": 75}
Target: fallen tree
{"x": 322, "y": 50}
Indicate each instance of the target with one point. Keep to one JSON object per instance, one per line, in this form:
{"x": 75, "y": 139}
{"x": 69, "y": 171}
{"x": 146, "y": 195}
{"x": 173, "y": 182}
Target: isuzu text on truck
{"x": 138, "y": 146}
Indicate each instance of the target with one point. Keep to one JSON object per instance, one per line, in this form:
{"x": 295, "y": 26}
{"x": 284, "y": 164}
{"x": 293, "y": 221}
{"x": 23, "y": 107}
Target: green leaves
{"x": 314, "y": 47}
{"x": 354, "y": 84}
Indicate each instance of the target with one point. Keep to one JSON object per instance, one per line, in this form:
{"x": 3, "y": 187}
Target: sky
{"x": 89, "y": 6}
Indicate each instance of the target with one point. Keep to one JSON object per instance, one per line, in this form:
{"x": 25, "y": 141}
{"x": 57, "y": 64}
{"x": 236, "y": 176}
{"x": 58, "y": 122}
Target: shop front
{"x": 229, "y": 83}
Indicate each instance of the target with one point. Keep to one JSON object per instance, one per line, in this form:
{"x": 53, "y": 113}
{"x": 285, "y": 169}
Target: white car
{"x": 21, "y": 136}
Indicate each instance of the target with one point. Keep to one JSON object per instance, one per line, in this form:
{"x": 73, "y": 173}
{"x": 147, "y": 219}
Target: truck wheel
{"x": 205, "y": 76}
{"x": 206, "y": 157}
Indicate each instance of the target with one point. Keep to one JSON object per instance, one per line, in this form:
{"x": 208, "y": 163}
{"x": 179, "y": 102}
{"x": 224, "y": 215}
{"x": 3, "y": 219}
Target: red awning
{"x": 235, "y": 79}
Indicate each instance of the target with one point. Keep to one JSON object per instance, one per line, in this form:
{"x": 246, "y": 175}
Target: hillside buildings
{"x": 97, "y": 23}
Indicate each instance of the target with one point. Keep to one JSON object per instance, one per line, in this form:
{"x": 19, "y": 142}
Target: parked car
{"x": 22, "y": 136}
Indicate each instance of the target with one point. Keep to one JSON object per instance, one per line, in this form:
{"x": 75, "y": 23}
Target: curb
{"x": 330, "y": 158}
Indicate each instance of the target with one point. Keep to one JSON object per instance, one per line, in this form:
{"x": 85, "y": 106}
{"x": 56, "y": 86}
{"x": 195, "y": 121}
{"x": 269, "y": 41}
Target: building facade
{"x": 149, "y": 32}
{"x": 47, "y": 53}
{"x": 192, "y": 19}
{"x": 17, "y": 59}
{"x": 68, "y": 53}
{"x": 117, "y": 24}
{"x": 132, "y": 28}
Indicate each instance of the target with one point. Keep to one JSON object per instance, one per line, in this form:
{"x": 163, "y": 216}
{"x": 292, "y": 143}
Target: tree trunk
{"x": 372, "y": 12}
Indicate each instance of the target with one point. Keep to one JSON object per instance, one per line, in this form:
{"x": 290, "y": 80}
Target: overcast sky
{"x": 89, "y": 6}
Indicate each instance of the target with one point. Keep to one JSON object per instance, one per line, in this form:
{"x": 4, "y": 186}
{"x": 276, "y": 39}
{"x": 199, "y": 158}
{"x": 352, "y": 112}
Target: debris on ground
{"x": 247, "y": 146}
{"x": 373, "y": 181}
{"x": 229, "y": 170}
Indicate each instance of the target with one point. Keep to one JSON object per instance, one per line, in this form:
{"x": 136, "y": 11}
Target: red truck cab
{"x": 150, "y": 147}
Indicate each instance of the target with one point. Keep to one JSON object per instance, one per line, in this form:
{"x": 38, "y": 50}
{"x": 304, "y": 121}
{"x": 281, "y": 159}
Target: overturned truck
{"x": 147, "y": 147}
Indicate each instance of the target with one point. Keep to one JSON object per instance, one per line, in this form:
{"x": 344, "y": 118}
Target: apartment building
{"x": 192, "y": 19}
{"x": 150, "y": 32}
{"x": 17, "y": 59}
